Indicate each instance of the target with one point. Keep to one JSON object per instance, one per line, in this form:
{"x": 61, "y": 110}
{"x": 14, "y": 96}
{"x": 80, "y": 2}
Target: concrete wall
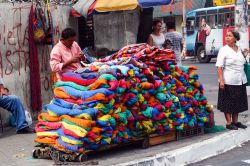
{"x": 115, "y": 30}
{"x": 14, "y": 50}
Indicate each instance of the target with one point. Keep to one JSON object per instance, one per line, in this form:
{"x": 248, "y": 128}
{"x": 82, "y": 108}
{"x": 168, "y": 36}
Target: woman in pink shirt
{"x": 66, "y": 54}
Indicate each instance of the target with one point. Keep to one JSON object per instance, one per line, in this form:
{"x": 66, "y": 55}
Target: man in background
{"x": 174, "y": 41}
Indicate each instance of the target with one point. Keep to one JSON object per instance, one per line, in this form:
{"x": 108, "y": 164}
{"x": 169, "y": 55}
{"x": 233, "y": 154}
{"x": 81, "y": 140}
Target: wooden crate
{"x": 155, "y": 139}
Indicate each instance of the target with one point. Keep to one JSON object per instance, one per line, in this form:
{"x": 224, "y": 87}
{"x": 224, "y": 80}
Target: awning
{"x": 85, "y": 7}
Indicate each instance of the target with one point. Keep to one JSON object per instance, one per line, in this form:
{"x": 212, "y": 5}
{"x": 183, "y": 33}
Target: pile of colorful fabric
{"x": 137, "y": 91}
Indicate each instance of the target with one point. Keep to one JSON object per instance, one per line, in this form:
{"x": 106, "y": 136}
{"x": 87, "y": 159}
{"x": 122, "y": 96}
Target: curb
{"x": 196, "y": 152}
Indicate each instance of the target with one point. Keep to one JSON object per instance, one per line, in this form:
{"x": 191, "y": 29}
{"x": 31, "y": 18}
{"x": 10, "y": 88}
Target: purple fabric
{"x": 73, "y": 74}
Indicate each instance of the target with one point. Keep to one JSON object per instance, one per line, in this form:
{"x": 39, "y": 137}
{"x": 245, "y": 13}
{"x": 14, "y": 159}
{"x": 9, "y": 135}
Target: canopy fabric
{"x": 85, "y": 7}
{"x": 115, "y": 5}
{"x": 151, "y": 3}
{"x": 82, "y": 6}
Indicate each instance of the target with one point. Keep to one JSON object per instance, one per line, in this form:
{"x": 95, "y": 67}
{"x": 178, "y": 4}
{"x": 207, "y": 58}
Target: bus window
{"x": 227, "y": 20}
{"x": 212, "y": 21}
{"x": 197, "y": 25}
{"x": 232, "y": 20}
{"x": 220, "y": 20}
{"x": 190, "y": 24}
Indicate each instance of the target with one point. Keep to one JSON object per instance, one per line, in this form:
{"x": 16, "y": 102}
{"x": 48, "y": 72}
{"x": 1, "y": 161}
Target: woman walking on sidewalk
{"x": 232, "y": 97}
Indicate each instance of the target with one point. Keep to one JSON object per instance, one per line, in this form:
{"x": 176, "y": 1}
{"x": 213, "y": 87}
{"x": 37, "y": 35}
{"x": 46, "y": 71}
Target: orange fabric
{"x": 146, "y": 85}
{"x": 59, "y": 92}
{"x": 48, "y": 118}
{"x": 96, "y": 130}
{"x": 97, "y": 96}
{"x": 53, "y": 78}
{"x": 45, "y": 140}
{"x": 98, "y": 83}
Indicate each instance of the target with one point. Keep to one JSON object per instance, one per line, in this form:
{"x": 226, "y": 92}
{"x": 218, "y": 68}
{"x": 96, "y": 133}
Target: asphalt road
{"x": 237, "y": 157}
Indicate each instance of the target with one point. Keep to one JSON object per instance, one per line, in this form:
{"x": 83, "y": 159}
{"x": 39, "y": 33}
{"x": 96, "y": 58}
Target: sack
{"x": 39, "y": 28}
{"x": 247, "y": 71}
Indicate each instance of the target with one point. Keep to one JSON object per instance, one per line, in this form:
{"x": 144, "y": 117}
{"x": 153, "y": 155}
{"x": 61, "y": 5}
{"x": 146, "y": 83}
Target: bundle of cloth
{"x": 135, "y": 92}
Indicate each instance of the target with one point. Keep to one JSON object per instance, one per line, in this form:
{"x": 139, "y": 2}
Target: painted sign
{"x": 224, "y": 2}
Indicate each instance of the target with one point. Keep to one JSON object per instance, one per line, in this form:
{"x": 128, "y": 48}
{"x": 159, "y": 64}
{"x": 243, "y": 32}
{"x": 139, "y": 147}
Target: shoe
{"x": 25, "y": 130}
{"x": 240, "y": 125}
{"x": 231, "y": 127}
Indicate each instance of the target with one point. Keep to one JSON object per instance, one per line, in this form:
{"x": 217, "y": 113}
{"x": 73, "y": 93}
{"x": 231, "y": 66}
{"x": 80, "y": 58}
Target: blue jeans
{"x": 13, "y": 104}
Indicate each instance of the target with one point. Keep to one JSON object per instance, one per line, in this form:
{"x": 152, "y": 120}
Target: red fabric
{"x": 35, "y": 84}
{"x": 78, "y": 81}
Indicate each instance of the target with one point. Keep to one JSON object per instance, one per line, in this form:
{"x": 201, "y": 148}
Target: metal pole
{"x": 241, "y": 25}
{"x": 184, "y": 28}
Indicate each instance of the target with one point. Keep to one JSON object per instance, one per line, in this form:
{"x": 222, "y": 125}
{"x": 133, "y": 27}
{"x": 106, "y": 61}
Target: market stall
{"x": 114, "y": 21}
{"x": 136, "y": 94}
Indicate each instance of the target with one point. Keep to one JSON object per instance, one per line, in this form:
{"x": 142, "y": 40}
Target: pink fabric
{"x": 61, "y": 54}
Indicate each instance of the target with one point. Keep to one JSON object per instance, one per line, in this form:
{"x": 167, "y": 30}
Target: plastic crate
{"x": 189, "y": 132}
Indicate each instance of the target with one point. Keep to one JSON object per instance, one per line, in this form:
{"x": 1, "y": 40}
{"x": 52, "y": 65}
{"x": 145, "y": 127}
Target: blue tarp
{"x": 151, "y": 3}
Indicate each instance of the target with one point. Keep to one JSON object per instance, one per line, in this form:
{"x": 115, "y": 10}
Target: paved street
{"x": 237, "y": 157}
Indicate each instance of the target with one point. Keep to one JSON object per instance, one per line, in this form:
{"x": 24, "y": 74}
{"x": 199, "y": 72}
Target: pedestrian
{"x": 66, "y": 54}
{"x": 156, "y": 38}
{"x": 13, "y": 104}
{"x": 205, "y": 31}
{"x": 173, "y": 40}
{"x": 232, "y": 96}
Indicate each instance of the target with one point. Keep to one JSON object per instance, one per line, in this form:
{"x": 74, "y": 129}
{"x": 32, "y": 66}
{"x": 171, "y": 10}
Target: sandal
{"x": 240, "y": 125}
{"x": 231, "y": 127}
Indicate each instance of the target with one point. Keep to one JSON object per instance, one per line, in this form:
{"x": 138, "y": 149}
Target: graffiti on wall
{"x": 14, "y": 55}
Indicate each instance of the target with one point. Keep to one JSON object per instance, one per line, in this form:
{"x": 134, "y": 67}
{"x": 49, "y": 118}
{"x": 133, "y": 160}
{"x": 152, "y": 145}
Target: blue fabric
{"x": 59, "y": 111}
{"x": 85, "y": 94}
{"x": 151, "y": 3}
{"x": 13, "y": 104}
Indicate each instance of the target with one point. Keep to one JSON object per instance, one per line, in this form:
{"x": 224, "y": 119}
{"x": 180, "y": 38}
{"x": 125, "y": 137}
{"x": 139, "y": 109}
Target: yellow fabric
{"x": 81, "y": 132}
{"x": 73, "y": 142}
{"x": 46, "y": 133}
{"x": 84, "y": 116}
{"x": 115, "y": 5}
{"x": 105, "y": 118}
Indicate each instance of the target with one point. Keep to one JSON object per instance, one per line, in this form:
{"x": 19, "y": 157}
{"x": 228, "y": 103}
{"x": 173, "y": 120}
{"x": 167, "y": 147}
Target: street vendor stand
{"x": 115, "y": 21}
{"x": 137, "y": 94}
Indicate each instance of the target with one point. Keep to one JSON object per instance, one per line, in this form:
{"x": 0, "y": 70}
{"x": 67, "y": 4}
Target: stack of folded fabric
{"x": 137, "y": 91}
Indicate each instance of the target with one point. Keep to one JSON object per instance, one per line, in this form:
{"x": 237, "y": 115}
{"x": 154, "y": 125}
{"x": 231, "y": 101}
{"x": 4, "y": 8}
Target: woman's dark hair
{"x": 155, "y": 22}
{"x": 235, "y": 34}
{"x": 67, "y": 33}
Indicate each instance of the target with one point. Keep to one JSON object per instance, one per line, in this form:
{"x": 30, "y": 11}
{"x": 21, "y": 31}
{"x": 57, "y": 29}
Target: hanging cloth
{"x": 35, "y": 84}
{"x": 50, "y": 31}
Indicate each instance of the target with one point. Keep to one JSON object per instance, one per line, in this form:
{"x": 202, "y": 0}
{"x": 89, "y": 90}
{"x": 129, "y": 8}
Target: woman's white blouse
{"x": 232, "y": 64}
